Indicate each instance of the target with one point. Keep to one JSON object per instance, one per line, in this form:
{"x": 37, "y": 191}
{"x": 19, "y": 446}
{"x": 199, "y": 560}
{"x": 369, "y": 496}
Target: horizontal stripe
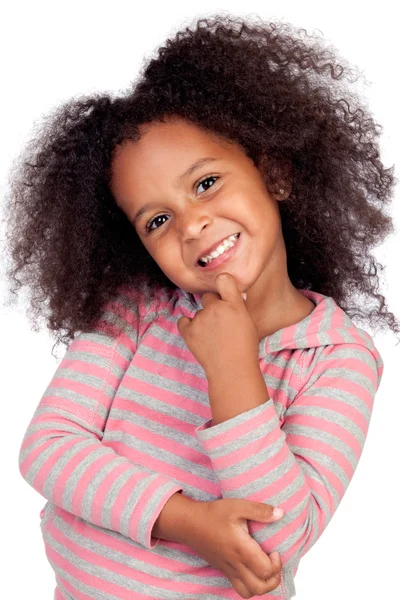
{"x": 125, "y": 423}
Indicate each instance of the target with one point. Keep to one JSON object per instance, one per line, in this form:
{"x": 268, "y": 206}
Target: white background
{"x": 53, "y": 51}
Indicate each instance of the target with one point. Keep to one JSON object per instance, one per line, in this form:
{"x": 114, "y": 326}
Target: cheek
{"x": 164, "y": 253}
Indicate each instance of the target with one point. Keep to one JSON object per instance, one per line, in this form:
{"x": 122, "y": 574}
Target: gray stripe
{"x": 342, "y": 395}
{"x": 125, "y": 582}
{"x": 48, "y": 488}
{"x": 312, "y": 433}
{"x": 92, "y": 489}
{"x": 163, "y": 383}
{"x": 167, "y": 457}
{"x": 127, "y": 558}
{"x": 165, "y": 408}
{"x": 82, "y": 467}
{"x": 63, "y": 590}
{"x": 262, "y": 431}
{"x": 43, "y": 457}
{"x": 112, "y": 495}
{"x": 331, "y": 416}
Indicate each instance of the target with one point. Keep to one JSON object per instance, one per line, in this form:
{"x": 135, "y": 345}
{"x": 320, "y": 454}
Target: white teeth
{"x": 225, "y": 245}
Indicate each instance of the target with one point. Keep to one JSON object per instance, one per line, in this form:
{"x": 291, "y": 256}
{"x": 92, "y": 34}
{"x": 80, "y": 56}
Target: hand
{"x": 222, "y": 330}
{"x": 218, "y": 532}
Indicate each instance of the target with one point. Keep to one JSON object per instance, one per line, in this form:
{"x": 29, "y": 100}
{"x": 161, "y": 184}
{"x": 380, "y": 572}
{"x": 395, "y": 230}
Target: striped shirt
{"x": 125, "y": 423}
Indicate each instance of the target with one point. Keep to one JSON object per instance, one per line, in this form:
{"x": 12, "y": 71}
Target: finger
{"x": 254, "y": 585}
{"x": 208, "y": 298}
{"x": 260, "y": 564}
{"x": 256, "y": 511}
{"x": 227, "y": 286}
{"x": 276, "y": 562}
{"x": 182, "y": 324}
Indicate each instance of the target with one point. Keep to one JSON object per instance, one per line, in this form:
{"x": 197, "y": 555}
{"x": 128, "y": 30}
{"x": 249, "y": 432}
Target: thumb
{"x": 258, "y": 511}
{"x": 182, "y": 324}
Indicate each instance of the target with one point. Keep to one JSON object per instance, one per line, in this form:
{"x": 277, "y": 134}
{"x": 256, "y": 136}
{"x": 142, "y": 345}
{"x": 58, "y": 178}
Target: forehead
{"x": 163, "y": 152}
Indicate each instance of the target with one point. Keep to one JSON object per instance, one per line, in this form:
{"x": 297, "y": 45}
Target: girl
{"x": 198, "y": 240}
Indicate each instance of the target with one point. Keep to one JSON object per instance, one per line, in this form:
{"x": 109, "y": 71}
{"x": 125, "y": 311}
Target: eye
{"x": 206, "y": 179}
{"x": 149, "y": 224}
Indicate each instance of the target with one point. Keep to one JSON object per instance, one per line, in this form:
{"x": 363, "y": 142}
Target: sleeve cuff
{"x": 151, "y": 541}
{"x": 226, "y": 430}
{"x": 254, "y": 432}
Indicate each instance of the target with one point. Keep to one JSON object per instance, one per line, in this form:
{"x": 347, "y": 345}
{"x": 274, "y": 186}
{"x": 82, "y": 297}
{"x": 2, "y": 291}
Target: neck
{"x": 283, "y": 311}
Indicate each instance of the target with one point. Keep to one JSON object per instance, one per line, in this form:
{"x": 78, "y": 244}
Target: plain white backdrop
{"x": 52, "y": 51}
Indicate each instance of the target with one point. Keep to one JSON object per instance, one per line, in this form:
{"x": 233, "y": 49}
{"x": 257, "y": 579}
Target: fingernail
{"x": 277, "y": 512}
{"x": 244, "y": 295}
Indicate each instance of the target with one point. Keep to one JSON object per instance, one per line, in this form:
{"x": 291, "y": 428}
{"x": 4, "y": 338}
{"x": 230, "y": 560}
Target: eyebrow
{"x": 196, "y": 165}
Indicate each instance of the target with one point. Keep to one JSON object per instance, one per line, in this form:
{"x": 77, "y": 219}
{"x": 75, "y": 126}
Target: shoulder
{"x": 347, "y": 366}
{"x": 140, "y": 305}
{"x": 127, "y": 314}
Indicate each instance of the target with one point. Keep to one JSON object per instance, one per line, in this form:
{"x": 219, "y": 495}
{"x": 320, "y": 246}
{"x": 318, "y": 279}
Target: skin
{"x": 194, "y": 215}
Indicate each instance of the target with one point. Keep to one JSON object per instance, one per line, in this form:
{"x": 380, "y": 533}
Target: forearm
{"x": 173, "y": 521}
{"x": 235, "y": 391}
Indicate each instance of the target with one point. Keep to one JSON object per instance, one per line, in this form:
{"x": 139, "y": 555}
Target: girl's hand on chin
{"x": 222, "y": 334}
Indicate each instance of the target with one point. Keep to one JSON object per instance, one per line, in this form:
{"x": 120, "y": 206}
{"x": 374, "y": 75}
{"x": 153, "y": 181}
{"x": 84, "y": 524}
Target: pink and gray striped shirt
{"x": 125, "y": 423}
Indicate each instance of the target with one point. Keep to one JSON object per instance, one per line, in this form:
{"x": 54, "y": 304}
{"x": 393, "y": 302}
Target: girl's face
{"x": 180, "y": 210}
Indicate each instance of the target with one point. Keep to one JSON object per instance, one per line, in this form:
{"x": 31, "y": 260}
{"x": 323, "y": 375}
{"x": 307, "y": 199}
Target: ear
{"x": 283, "y": 192}
{"x": 282, "y": 167}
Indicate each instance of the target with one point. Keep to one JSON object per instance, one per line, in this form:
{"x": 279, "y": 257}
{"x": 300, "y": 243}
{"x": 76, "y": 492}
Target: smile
{"x": 222, "y": 254}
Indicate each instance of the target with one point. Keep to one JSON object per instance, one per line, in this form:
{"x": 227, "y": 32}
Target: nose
{"x": 193, "y": 220}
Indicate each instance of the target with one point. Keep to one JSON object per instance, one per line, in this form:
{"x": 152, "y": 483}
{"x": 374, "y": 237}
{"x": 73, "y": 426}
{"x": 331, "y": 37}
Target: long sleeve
{"x": 62, "y": 455}
{"x": 305, "y": 464}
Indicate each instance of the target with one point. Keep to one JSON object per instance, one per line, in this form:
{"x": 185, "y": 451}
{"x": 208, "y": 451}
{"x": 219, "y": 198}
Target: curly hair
{"x": 273, "y": 89}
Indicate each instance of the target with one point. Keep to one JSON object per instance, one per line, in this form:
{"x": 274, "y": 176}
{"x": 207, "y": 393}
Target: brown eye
{"x": 207, "y": 179}
{"x": 149, "y": 224}
{"x": 149, "y": 228}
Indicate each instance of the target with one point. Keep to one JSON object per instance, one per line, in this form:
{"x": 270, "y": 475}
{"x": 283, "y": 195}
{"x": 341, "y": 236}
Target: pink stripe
{"x": 102, "y": 491}
{"x": 164, "y": 347}
{"x": 48, "y": 465}
{"x": 52, "y": 403}
{"x": 349, "y": 412}
{"x": 58, "y": 593}
{"x": 33, "y": 456}
{"x": 165, "y": 468}
{"x": 153, "y": 416}
{"x": 244, "y": 453}
{"x": 84, "y": 481}
{"x": 158, "y": 441}
{"x": 109, "y": 587}
{"x": 122, "y": 498}
{"x": 174, "y": 373}
{"x": 191, "y": 406}
{"x": 62, "y": 479}
{"x": 113, "y": 402}
{"x": 104, "y": 538}
{"x": 325, "y": 450}
{"x": 137, "y": 515}
{"x": 249, "y": 426}
{"x": 332, "y": 428}
{"x": 84, "y": 346}
{"x": 71, "y": 590}
{"x": 68, "y": 468}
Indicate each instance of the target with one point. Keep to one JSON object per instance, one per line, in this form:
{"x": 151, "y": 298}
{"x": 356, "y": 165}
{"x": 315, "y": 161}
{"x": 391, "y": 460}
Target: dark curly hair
{"x": 273, "y": 89}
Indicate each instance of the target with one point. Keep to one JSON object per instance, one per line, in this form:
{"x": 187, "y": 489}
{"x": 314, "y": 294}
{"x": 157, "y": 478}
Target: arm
{"x": 245, "y": 390}
{"x": 174, "y": 518}
{"x": 62, "y": 455}
{"x": 306, "y": 465}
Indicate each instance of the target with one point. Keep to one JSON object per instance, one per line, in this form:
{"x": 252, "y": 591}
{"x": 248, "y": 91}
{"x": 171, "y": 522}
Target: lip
{"x": 214, "y": 247}
{"x": 223, "y": 258}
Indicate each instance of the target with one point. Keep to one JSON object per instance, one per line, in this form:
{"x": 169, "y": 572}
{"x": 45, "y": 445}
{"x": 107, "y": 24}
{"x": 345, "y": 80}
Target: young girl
{"x": 199, "y": 240}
